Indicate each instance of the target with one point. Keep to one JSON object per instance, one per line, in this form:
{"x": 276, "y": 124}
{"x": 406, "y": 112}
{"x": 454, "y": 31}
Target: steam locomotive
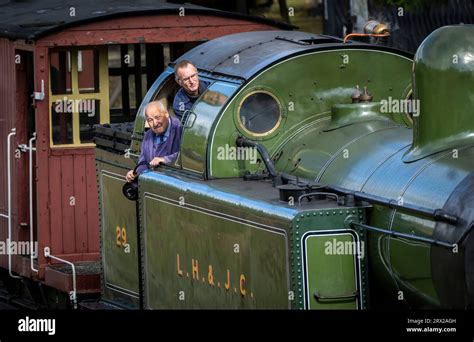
{"x": 313, "y": 174}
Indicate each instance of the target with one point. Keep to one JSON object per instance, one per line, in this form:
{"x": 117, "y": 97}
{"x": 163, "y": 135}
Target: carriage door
{"x": 25, "y": 160}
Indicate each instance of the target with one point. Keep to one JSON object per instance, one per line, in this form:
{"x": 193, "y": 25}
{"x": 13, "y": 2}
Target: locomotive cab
{"x": 198, "y": 121}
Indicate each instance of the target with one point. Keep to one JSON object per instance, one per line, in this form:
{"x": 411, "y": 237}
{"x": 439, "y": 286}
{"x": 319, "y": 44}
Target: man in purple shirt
{"x": 161, "y": 142}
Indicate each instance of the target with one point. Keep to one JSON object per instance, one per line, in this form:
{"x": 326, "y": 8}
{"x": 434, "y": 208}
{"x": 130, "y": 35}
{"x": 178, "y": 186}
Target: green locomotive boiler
{"x": 296, "y": 189}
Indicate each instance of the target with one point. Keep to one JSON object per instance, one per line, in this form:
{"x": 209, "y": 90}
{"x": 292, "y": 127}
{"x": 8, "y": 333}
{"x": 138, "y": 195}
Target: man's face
{"x": 188, "y": 79}
{"x": 157, "y": 120}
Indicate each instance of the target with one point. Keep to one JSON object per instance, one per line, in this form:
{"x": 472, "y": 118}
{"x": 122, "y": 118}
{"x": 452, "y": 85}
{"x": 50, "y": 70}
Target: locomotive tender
{"x": 351, "y": 204}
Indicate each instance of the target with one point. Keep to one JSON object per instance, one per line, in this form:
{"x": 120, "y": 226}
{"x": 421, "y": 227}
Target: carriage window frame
{"x": 269, "y": 133}
{"x": 101, "y": 95}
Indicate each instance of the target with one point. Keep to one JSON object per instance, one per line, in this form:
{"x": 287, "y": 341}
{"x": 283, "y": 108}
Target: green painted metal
{"x": 367, "y": 155}
{"x": 322, "y": 281}
{"x": 324, "y": 138}
{"x": 326, "y": 260}
{"x": 119, "y": 237}
{"x": 348, "y": 114}
{"x": 307, "y": 86}
{"x": 199, "y": 237}
{"x": 239, "y": 258}
{"x": 444, "y": 72}
{"x": 199, "y": 124}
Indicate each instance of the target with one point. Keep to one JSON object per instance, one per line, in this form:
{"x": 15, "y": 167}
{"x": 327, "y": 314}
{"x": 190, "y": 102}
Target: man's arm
{"x": 171, "y": 159}
{"x": 141, "y": 166}
{"x": 142, "y": 159}
{"x": 168, "y": 160}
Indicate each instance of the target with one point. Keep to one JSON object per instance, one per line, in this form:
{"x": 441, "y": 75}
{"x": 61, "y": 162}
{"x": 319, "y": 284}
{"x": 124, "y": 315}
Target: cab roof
{"x": 242, "y": 55}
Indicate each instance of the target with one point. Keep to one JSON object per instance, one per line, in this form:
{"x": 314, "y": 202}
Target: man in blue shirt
{"x": 161, "y": 142}
{"x": 187, "y": 77}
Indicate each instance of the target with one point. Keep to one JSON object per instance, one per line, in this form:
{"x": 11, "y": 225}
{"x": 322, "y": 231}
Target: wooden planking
{"x": 92, "y": 205}
{"x": 21, "y": 183}
{"x": 80, "y": 208}
{"x": 151, "y": 35}
{"x": 71, "y": 151}
{"x": 80, "y": 226}
{"x": 67, "y": 191}
{"x": 7, "y": 106}
{"x": 164, "y": 21}
{"x": 7, "y": 110}
{"x": 3, "y": 237}
{"x": 56, "y": 211}
{"x": 42, "y": 156}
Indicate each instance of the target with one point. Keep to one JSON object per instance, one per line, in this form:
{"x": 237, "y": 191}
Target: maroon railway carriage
{"x": 65, "y": 66}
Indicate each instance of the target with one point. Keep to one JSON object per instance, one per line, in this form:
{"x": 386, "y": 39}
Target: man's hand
{"x": 130, "y": 176}
{"x": 157, "y": 161}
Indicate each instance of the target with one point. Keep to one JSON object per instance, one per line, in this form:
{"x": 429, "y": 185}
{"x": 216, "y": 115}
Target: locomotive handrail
{"x": 319, "y": 297}
{"x": 327, "y": 194}
{"x": 411, "y": 237}
{"x": 9, "y": 195}
{"x": 438, "y": 215}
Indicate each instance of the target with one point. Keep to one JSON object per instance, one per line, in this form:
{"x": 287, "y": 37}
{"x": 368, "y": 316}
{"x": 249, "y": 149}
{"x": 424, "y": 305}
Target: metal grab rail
{"x": 438, "y": 215}
{"x": 320, "y": 297}
{"x": 30, "y": 151}
{"x": 73, "y": 293}
{"x": 9, "y": 195}
{"x": 412, "y": 237}
{"x": 327, "y": 194}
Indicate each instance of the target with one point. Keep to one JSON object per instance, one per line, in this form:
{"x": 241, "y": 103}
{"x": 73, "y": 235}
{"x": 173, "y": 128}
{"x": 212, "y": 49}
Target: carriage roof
{"x": 33, "y": 19}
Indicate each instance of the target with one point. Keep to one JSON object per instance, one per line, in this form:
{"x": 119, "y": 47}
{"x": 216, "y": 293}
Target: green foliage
{"x": 412, "y": 4}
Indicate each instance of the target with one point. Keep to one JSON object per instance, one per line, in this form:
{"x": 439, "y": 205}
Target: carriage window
{"x": 259, "y": 113}
{"x": 132, "y": 70}
{"x": 78, "y": 94}
{"x": 60, "y": 71}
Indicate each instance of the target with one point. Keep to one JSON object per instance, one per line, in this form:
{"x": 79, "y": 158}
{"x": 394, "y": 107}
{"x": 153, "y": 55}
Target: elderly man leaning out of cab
{"x": 161, "y": 142}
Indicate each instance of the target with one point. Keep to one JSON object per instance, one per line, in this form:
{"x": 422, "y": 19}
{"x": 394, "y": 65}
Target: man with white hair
{"x": 161, "y": 142}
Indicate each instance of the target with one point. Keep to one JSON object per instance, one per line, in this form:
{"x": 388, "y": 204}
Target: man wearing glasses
{"x": 186, "y": 76}
{"x": 161, "y": 142}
